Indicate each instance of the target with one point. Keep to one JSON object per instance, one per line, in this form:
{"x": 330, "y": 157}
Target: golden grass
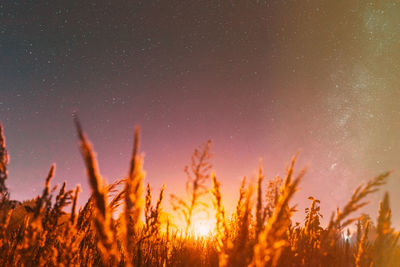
{"x": 39, "y": 232}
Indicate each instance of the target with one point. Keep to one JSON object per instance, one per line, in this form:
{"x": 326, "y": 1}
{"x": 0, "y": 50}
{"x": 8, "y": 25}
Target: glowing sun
{"x": 203, "y": 228}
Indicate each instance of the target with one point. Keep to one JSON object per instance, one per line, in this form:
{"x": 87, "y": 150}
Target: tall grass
{"x": 40, "y": 232}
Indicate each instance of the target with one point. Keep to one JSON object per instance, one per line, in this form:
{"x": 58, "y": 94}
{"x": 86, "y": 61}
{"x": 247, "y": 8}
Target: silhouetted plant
{"x": 198, "y": 173}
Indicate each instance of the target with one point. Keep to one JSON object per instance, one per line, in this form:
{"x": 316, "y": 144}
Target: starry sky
{"x": 262, "y": 79}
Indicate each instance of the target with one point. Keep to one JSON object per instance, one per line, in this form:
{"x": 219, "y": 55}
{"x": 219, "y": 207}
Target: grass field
{"x": 121, "y": 226}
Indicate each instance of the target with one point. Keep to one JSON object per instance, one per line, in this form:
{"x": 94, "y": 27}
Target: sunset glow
{"x": 244, "y": 133}
{"x": 203, "y": 228}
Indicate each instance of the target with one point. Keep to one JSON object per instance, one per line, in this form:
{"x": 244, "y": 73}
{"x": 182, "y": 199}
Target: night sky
{"x": 262, "y": 79}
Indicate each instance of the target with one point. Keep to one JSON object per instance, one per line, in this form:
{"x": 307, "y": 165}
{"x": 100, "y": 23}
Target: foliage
{"x": 39, "y": 232}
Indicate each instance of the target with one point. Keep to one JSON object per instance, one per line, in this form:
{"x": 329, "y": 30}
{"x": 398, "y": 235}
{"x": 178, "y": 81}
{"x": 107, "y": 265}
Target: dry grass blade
{"x": 260, "y": 213}
{"x": 133, "y": 199}
{"x": 74, "y": 202}
{"x": 271, "y": 240}
{"x": 221, "y": 227}
{"x": 102, "y": 219}
{"x": 152, "y": 214}
{"x": 242, "y": 193}
{"x": 198, "y": 174}
{"x": 360, "y": 260}
{"x": 386, "y": 239}
{"x": 4, "y": 160}
{"x": 356, "y": 199}
{"x": 45, "y": 193}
